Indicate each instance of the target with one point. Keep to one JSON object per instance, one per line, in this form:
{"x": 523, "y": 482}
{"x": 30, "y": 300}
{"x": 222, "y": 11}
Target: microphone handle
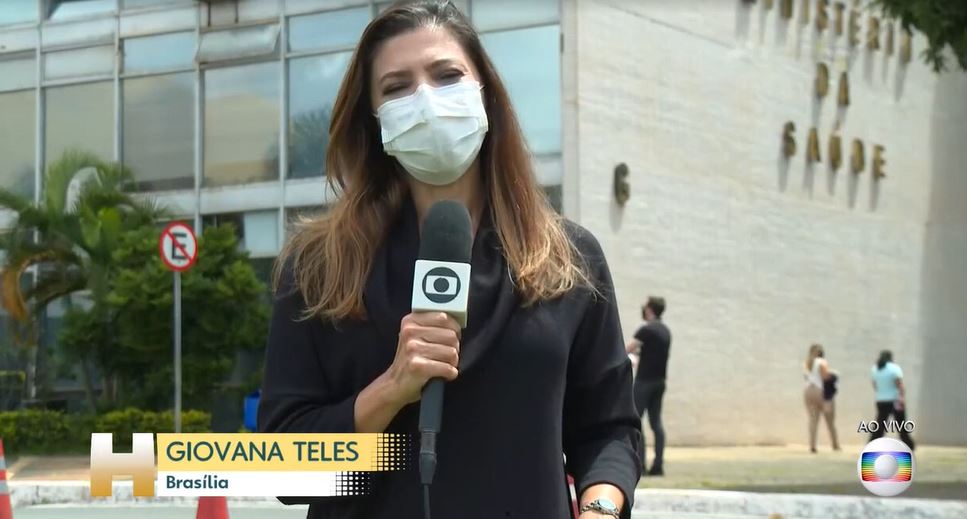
{"x": 431, "y": 405}
{"x": 431, "y": 414}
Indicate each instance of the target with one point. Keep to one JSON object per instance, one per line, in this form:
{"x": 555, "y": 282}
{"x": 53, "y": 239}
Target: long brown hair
{"x": 815, "y": 351}
{"x": 331, "y": 255}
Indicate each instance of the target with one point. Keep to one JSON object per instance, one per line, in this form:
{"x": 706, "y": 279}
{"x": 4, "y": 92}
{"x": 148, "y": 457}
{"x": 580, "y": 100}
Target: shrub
{"x": 41, "y": 431}
{"x": 34, "y": 430}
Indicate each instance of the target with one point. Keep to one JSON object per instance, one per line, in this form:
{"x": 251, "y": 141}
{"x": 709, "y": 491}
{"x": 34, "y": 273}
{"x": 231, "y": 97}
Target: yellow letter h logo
{"x": 139, "y": 464}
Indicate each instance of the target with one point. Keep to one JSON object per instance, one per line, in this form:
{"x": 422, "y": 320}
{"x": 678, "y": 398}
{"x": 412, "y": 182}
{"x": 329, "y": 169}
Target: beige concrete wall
{"x": 759, "y": 256}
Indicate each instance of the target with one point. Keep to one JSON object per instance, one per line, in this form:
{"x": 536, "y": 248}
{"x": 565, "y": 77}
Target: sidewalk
{"x": 941, "y": 472}
{"x": 791, "y": 469}
{"x": 759, "y": 481}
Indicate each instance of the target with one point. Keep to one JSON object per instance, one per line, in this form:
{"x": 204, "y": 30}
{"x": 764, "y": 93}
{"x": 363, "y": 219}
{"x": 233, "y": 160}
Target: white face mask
{"x": 435, "y": 133}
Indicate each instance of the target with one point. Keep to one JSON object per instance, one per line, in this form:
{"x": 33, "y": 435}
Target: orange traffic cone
{"x": 208, "y": 508}
{"x": 6, "y": 512}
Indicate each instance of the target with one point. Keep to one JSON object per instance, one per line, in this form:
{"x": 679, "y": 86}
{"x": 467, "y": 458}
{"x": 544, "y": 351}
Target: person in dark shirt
{"x": 651, "y": 344}
{"x": 539, "y": 386}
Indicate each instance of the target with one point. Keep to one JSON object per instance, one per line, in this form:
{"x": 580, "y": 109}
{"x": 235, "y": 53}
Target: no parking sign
{"x": 178, "y": 246}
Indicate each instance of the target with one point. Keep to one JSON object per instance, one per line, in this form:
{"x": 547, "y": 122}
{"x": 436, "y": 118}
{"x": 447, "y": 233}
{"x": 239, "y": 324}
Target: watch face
{"x": 607, "y": 504}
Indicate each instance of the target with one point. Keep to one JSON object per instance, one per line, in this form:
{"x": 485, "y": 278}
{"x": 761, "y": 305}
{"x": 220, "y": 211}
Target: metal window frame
{"x": 286, "y": 186}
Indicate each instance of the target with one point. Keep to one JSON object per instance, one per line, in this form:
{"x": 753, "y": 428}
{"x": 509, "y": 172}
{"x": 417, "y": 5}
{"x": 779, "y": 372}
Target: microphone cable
{"x": 426, "y": 501}
{"x": 427, "y": 465}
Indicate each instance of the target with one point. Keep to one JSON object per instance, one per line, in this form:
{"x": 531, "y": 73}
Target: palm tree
{"x": 69, "y": 237}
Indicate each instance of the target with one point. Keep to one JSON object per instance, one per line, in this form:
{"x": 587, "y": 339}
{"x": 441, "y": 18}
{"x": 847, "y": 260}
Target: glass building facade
{"x": 221, "y": 108}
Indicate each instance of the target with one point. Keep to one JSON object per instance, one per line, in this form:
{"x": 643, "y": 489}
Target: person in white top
{"x": 816, "y": 372}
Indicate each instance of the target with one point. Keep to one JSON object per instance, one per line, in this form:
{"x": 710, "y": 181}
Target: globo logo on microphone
{"x": 441, "y": 286}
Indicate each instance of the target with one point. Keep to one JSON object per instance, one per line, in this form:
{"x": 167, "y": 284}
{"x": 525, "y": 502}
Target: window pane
{"x": 86, "y": 33}
{"x": 133, "y": 4}
{"x": 159, "y": 21}
{"x": 257, "y": 231}
{"x": 238, "y": 43}
{"x": 326, "y": 30}
{"x": 529, "y": 63}
{"x": 305, "y": 6}
{"x": 92, "y": 61}
{"x": 17, "y": 140}
{"x": 165, "y": 52}
{"x": 250, "y": 10}
{"x": 313, "y": 84}
{"x": 18, "y": 11}
{"x": 159, "y": 131}
{"x": 25, "y": 38}
{"x": 233, "y": 219}
{"x": 80, "y": 117}
{"x": 261, "y": 232}
{"x": 462, "y": 5}
{"x": 18, "y": 73}
{"x": 63, "y": 9}
{"x": 503, "y": 14}
{"x": 241, "y": 124}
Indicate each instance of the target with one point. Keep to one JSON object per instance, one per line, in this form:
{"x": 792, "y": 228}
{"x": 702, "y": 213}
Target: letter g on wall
{"x": 622, "y": 188}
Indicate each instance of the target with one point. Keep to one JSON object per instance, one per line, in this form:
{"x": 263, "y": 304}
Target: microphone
{"x": 441, "y": 283}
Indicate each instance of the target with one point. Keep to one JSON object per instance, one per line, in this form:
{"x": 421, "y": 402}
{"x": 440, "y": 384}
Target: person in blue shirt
{"x": 890, "y": 395}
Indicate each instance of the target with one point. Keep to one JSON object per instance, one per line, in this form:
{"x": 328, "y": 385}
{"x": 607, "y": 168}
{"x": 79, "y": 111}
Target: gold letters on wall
{"x": 878, "y": 162}
{"x": 622, "y": 188}
{"x": 835, "y": 150}
{"x": 812, "y": 147}
{"x": 858, "y": 160}
{"x": 906, "y": 47}
{"x": 843, "y": 97}
{"x": 789, "y": 139}
{"x": 854, "y": 27}
{"x": 822, "y": 80}
{"x": 822, "y": 15}
{"x": 873, "y": 34}
{"x": 889, "y": 39}
{"x": 855, "y": 34}
{"x": 785, "y": 9}
{"x": 838, "y": 17}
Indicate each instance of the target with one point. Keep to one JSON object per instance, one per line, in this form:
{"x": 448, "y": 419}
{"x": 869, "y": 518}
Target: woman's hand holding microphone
{"x": 428, "y": 347}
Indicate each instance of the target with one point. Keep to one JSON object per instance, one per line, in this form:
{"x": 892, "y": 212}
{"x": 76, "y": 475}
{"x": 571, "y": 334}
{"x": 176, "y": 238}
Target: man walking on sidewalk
{"x": 651, "y": 344}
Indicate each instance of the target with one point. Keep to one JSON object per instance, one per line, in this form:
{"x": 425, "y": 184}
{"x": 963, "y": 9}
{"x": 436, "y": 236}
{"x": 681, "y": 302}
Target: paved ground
{"x": 152, "y": 512}
{"x": 61, "y": 512}
{"x": 941, "y": 472}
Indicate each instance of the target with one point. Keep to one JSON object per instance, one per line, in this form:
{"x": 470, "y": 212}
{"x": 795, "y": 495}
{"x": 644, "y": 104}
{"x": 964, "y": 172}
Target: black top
{"x": 656, "y": 340}
{"x": 535, "y": 383}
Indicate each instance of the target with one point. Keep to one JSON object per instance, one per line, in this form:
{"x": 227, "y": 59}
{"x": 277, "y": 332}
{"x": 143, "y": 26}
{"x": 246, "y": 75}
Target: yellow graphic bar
{"x": 361, "y": 452}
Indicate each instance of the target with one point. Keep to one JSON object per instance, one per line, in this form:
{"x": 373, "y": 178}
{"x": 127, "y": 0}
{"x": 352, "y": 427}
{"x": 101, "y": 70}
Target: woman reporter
{"x": 540, "y": 370}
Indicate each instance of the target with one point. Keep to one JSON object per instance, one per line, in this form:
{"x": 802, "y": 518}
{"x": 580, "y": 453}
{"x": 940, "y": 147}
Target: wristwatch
{"x": 604, "y": 506}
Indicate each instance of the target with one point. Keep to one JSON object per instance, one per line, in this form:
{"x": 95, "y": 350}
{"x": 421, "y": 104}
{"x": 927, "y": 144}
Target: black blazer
{"x": 536, "y": 384}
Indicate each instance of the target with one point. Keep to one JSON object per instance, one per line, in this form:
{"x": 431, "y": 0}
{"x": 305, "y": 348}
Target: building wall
{"x": 759, "y": 256}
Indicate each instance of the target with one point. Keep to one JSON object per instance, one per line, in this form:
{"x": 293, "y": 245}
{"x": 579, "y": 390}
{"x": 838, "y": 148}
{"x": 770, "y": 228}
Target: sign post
{"x": 179, "y": 250}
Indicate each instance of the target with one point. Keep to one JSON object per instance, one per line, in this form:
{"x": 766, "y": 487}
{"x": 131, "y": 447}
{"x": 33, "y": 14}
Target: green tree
{"x": 69, "y": 236}
{"x": 224, "y": 310}
{"x": 943, "y": 22}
